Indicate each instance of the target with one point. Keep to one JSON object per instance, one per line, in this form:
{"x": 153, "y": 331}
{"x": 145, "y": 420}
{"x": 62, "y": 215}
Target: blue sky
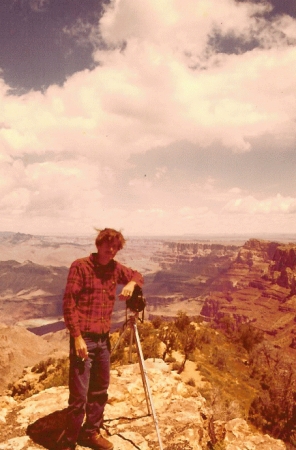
{"x": 160, "y": 117}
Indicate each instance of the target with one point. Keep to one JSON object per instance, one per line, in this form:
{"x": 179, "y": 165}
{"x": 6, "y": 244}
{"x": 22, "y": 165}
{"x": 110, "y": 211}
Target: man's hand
{"x": 80, "y": 347}
{"x": 127, "y": 290}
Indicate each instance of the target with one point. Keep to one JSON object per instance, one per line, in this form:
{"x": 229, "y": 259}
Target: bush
{"x": 273, "y": 410}
{"x": 191, "y": 382}
{"x": 52, "y": 372}
{"x": 42, "y": 366}
{"x": 150, "y": 347}
{"x": 60, "y": 376}
{"x": 249, "y": 336}
{"x": 218, "y": 359}
{"x": 170, "y": 359}
{"x": 156, "y": 322}
{"x": 176, "y": 366}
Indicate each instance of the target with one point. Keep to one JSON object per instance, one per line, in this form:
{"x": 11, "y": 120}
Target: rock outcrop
{"x": 182, "y": 419}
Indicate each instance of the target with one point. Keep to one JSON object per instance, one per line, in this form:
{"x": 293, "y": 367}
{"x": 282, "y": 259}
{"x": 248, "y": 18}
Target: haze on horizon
{"x": 167, "y": 117}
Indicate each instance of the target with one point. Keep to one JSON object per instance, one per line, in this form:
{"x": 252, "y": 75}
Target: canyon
{"x": 252, "y": 281}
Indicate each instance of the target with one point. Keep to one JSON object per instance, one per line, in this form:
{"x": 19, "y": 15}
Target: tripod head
{"x": 137, "y": 301}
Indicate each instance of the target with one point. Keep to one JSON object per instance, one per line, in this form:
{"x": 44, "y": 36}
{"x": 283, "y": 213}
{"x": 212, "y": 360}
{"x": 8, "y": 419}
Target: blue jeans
{"x": 88, "y": 385}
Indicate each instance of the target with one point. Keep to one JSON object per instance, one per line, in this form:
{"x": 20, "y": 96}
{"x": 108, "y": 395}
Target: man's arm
{"x": 127, "y": 290}
{"x": 80, "y": 347}
{"x": 129, "y": 278}
{"x": 73, "y": 287}
{"x": 71, "y": 294}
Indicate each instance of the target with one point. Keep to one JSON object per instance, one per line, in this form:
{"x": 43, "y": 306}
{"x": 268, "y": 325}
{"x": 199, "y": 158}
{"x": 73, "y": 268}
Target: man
{"x": 88, "y": 304}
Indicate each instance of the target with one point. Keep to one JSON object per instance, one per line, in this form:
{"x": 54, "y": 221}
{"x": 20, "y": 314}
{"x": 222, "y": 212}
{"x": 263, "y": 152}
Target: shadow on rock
{"x": 48, "y": 430}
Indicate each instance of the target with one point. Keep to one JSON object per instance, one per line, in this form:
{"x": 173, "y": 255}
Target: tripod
{"x": 131, "y": 326}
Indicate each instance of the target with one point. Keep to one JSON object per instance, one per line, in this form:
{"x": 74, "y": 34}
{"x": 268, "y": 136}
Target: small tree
{"x": 168, "y": 335}
{"x": 188, "y": 339}
{"x": 182, "y": 321}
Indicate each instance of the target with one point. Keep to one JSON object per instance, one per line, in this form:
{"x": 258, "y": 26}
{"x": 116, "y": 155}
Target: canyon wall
{"x": 258, "y": 288}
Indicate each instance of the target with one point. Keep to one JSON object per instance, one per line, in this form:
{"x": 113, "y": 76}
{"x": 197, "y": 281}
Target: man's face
{"x": 107, "y": 251}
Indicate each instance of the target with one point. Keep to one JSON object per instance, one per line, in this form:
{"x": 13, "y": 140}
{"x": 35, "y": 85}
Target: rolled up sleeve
{"x": 73, "y": 288}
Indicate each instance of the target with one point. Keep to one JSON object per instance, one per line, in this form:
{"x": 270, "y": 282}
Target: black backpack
{"x": 48, "y": 430}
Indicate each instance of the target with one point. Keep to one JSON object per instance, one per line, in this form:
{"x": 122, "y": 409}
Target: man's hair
{"x": 110, "y": 235}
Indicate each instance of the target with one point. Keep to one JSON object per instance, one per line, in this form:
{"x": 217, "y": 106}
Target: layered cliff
{"x": 258, "y": 287}
{"x": 30, "y": 290}
{"x": 187, "y": 270}
{"x": 205, "y": 259}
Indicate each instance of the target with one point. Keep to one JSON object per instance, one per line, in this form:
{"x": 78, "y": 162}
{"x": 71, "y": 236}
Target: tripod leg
{"x": 131, "y": 346}
{"x": 146, "y": 384}
{"x": 119, "y": 339}
{"x": 143, "y": 375}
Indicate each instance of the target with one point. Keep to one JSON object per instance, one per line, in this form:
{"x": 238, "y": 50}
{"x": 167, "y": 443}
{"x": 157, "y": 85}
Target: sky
{"x": 159, "y": 117}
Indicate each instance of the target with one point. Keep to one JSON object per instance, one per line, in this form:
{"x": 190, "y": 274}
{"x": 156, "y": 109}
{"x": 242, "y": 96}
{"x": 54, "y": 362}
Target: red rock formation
{"x": 258, "y": 287}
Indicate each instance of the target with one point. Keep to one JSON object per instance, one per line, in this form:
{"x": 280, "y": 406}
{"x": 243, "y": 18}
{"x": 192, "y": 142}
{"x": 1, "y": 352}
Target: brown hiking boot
{"x": 95, "y": 441}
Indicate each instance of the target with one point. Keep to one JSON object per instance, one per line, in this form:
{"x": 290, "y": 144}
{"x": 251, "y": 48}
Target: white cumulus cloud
{"x": 213, "y": 74}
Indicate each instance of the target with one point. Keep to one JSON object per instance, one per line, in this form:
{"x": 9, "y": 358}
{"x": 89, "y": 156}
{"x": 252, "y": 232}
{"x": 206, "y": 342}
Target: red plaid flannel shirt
{"x": 90, "y": 294}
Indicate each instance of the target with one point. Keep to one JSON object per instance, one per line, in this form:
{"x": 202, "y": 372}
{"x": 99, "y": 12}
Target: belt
{"x": 95, "y": 336}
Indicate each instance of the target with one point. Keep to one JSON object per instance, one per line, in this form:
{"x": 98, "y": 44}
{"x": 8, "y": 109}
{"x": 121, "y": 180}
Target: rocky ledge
{"x": 182, "y": 419}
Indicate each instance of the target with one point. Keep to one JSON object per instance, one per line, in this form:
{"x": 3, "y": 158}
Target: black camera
{"x": 137, "y": 301}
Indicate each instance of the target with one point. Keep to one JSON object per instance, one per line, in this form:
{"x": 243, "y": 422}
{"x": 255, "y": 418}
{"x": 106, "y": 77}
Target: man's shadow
{"x": 48, "y": 430}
